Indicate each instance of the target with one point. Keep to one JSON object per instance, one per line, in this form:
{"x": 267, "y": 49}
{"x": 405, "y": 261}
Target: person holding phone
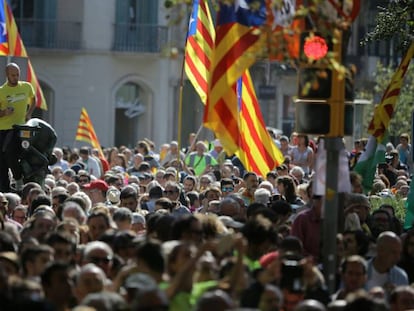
{"x": 17, "y": 103}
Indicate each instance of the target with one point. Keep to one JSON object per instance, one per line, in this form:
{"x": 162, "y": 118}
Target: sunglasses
{"x": 227, "y": 189}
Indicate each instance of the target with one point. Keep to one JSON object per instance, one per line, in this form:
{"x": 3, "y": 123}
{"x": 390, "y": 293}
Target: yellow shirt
{"x": 18, "y": 97}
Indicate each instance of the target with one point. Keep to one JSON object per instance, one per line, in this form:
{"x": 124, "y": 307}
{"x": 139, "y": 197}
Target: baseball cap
{"x": 97, "y": 184}
{"x": 282, "y": 167}
{"x": 113, "y": 195}
{"x": 230, "y": 222}
{"x": 268, "y": 258}
{"x": 140, "y": 281}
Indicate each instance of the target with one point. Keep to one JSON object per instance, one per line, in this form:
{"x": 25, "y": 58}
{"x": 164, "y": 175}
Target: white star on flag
{"x": 240, "y": 4}
{"x": 4, "y": 32}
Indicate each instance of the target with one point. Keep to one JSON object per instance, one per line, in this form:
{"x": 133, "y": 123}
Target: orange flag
{"x": 87, "y": 133}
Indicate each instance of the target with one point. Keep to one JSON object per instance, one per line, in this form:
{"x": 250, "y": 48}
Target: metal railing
{"x": 50, "y": 34}
{"x": 139, "y": 37}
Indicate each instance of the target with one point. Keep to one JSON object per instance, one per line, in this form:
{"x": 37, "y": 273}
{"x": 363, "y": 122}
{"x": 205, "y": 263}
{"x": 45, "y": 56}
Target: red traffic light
{"x": 315, "y": 47}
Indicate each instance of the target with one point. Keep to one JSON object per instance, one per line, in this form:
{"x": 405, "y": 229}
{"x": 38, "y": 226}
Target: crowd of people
{"x": 172, "y": 228}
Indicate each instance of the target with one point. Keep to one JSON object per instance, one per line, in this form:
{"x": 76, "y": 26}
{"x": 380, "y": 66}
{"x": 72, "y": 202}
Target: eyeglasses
{"x": 167, "y": 192}
{"x": 98, "y": 260}
{"x": 4, "y": 202}
{"x": 83, "y": 180}
{"x": 227, "y": 189}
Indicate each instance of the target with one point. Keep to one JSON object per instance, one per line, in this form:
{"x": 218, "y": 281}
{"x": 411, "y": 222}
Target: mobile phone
{"x": 292, "y": 275}
{"x": 383, "y": 166}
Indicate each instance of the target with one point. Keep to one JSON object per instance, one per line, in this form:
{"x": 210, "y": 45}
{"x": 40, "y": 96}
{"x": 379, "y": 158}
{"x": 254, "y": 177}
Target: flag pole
{"x": 180, "y": 102}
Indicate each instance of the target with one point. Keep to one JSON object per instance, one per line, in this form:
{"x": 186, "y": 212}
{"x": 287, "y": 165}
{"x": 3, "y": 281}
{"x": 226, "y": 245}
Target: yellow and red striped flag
{"x": 232, "y": 111}
{"x": 11, "y": 44}
{"x": 239, "y": 38}
{"x": 240, "y": 128}
{"x": 199, "y": 47}
{"x": 384, "y": 111}
{"x": 86, "y": 132}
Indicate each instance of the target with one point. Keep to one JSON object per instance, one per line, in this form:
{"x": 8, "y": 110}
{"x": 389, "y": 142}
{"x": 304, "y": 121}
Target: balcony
{"x": 50, "y": 34}
{"x": 140, "y": 38}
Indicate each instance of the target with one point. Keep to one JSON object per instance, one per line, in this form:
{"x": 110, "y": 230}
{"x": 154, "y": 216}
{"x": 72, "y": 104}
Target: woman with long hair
{"x": 287, "y": 190}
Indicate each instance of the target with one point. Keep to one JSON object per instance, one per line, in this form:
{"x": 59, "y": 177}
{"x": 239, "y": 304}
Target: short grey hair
{"x": 262, "y": 195}
{"x": 91, "y": 246}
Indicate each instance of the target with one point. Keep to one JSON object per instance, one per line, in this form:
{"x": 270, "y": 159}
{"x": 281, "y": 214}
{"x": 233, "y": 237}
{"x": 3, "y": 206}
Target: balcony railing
{"x": 50, "y": 34}
{"x": 140, "y": 38}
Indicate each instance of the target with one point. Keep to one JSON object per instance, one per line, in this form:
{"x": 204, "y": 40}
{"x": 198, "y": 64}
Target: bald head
{"x": 12, "y": 74}
{"x": 12, "y": 65}
{"x": 386, "y": 238}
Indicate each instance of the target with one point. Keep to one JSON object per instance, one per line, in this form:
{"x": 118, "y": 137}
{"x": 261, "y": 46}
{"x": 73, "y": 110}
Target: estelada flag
{"x": 86, "y": 132}
{"x": 11, "y": 44}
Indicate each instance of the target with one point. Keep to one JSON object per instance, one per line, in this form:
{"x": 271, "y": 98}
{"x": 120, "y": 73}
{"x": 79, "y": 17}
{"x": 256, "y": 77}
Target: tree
{"x": 394, "y": 23}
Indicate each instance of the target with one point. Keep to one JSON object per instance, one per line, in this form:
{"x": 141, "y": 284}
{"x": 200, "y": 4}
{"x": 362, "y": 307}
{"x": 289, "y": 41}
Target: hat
{"x": 230, "y": 222}
{"x": 10, "y": 257}
{"x": 97, "y": 184}
{"x": 59, "y": 191}
{"x": 284, "y": 137}
{"x": 140, "y": 281}
{"x": 281, "y": 167}
{"x": 113, "y": 195}
{"x": 268, "y": 258}
{"x": 217, "y": 143}
{"x": 77, "y": 167}
{"x": 118, "y": 169}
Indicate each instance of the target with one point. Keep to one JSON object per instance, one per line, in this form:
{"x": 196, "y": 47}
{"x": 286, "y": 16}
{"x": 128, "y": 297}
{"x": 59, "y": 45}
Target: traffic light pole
{"x": 330, "y": 220}
{"x": 334, "y": 146}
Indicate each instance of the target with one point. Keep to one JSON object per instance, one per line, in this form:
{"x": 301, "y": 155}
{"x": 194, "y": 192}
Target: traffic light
{"x": 321, "y": 107}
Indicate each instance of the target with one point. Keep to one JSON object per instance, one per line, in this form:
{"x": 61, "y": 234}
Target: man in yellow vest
{"x": 17, "y": 102}
{"x": 200, "y": 160}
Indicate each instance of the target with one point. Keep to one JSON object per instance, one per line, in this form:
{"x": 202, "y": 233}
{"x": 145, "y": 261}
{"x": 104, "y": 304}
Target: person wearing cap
{"x": 96, "y": 190}
{"x": 282, "y": 170}
{"x": 218, "y": 152}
